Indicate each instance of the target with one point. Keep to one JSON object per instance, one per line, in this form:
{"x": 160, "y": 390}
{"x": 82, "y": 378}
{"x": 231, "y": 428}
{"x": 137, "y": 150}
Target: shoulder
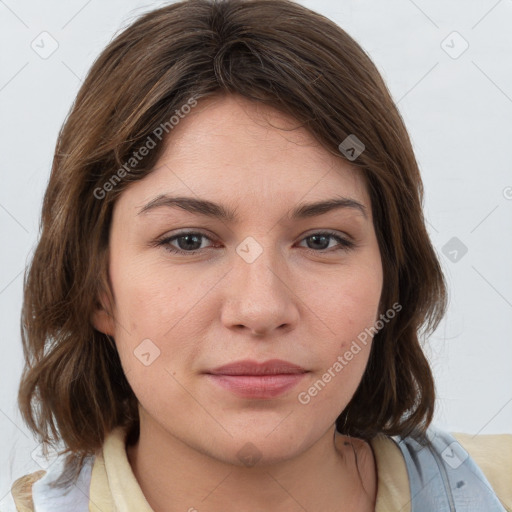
{"x": 68, "y": 484}
{"x": 444, "y": 470}
{"x": 21, "y": 491}
{"x": 493, "y": 454}
{"x": 52, "y": 489}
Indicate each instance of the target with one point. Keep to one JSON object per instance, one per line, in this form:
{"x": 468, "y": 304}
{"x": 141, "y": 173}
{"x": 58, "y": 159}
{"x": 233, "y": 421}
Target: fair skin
{"x": 304, "y": 300}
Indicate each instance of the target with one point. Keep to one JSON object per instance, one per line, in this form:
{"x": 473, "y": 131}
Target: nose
{"x": 259, "y": 297}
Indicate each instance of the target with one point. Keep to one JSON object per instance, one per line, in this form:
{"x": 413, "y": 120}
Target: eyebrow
{"x": 219, "y": 211}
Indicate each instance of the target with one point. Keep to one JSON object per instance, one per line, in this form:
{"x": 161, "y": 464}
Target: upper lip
{"x": 250, "y": 367}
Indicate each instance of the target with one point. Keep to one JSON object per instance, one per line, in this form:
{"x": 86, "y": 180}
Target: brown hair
{"x": 272, "y": 51}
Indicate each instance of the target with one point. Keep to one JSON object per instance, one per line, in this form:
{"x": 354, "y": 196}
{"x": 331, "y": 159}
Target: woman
{"x": 256, "y": 368}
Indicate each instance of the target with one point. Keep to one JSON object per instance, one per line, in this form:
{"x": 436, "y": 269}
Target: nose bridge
{"x": 259, "y": 297}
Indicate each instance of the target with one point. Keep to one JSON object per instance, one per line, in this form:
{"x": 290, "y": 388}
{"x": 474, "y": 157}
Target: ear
{"x": 102, "y": 319}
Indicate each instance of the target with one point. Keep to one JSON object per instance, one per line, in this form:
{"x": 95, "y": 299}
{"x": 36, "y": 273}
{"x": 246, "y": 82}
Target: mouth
{"x": 250, "y": 379}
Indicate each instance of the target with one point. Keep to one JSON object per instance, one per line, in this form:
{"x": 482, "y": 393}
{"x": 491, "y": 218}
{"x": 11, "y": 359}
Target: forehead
{"x": 231, "y": 149}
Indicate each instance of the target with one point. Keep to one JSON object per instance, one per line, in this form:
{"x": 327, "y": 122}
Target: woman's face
{"x": 265, "y": 284}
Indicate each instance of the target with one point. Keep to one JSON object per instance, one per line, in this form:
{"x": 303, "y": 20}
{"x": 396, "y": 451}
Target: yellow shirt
{"x": 114, "y": 487}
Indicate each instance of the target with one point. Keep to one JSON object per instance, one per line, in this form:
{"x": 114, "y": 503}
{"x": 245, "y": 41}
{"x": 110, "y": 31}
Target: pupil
{"x": 316, "y": 237}
{"x": 188, "y": 237}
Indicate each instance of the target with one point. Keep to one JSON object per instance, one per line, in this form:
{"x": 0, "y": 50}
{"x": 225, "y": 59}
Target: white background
{"x": 459, "y": 115}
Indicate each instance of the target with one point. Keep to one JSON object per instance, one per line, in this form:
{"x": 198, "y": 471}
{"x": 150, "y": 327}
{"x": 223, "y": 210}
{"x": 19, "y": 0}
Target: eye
{"x": 318, "y": 241}
{"x": 189, "y": 242}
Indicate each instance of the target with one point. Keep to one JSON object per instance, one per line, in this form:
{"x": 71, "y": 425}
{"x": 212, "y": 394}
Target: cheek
{"x": 148, "y": 303}
{"x": 347, "y": 302}
{"x": 349, "y": 310}
{"x": 146, "y": 308}
{"x": 156, "y": 321}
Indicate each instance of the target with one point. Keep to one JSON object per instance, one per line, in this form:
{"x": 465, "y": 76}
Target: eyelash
{"x": 344, "y": 244}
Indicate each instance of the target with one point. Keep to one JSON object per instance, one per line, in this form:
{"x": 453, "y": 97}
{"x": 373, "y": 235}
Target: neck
{"x": 336, "y": 473}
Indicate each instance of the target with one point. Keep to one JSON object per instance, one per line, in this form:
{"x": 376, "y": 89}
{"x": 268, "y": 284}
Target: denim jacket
{"x": 444, "y": 478}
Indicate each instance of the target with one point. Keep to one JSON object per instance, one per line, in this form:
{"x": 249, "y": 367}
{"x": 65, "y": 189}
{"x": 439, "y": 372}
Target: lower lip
{"x": 258, "y": 386}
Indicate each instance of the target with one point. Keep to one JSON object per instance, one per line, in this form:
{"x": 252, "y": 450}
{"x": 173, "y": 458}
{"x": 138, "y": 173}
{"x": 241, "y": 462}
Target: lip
{"x": 251, "y": 367}
{"x": 250, "y": 379}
